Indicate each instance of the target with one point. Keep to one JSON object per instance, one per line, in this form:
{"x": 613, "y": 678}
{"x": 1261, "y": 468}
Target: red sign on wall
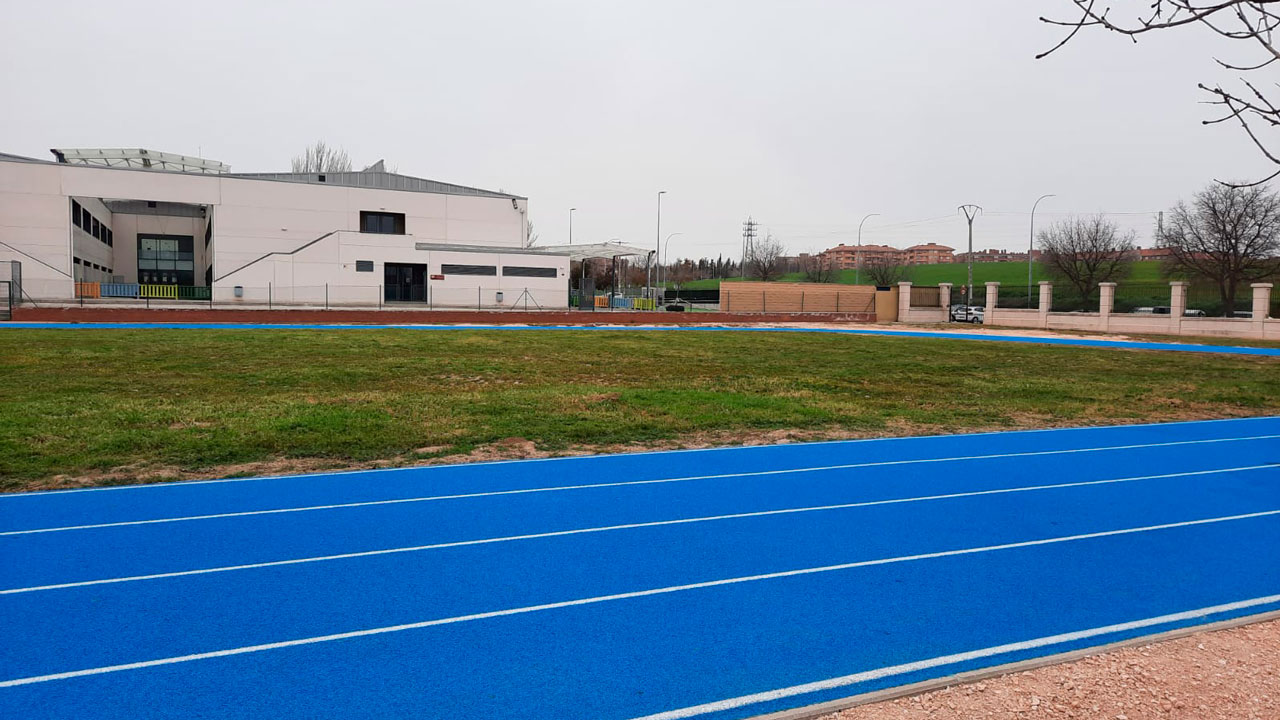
{"x": 437, "y": 277}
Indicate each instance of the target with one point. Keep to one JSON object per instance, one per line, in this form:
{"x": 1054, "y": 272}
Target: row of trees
{"x": 1228, "y": 235}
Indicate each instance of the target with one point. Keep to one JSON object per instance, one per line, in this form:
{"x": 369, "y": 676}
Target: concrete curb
{"x": 831, "y": 706}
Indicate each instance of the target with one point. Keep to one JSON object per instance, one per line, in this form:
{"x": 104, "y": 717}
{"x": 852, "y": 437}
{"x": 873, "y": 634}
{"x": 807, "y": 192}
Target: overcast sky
{"x": 804, "y": 114}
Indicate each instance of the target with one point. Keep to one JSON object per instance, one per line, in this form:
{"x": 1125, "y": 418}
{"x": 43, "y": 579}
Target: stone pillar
{"x": 944, "y": 297}
{"x": 904, "y": 301}
{"x": 1261, "y": 300}
{"x": 1177, "y": 305}
{"x": 1106, "y": 303}
{"x": 1046, "y": 302}
{"x": 993, "y": 294}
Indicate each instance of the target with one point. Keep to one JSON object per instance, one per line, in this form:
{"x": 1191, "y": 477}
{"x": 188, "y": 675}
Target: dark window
{"x": 364, "y": 266}
{"x": 518, "y": 271}
{"x": 110, "y": 237}
{"x": 382, "y": 223}
{"x": 208, "y": 233}
{"x": 75, "y": 213}
{"x": 77, "y": 261}
{"x": 321, "y": 178}
{"x": 97, "y": 228}
{"x": 469, "y": 269}
{"x": 151, "y": 203}
{"x": 166, "y": 259}
{"x": 86, "y": 220}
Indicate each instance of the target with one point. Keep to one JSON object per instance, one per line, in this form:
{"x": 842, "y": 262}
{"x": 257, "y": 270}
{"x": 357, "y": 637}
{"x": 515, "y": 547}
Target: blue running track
{"x": 1033, "y": 339}
{"x": 721, "y": 583}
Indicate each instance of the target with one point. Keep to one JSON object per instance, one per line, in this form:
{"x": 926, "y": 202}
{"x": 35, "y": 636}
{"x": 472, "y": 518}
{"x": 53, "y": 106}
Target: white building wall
{"x": 88, "y": 248}
{"x": 327, "y": 270}
{"x": 251, "y": 218}
{"x": 35, "y": 228}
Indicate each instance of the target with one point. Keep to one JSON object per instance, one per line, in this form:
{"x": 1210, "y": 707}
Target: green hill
{"x": 1012, "y": 274}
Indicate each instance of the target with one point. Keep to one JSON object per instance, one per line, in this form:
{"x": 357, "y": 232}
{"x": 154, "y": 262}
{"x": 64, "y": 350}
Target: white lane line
{"x": 851, "y": 441}
{"x": 657, "y": 481}
{"x": 942, "y": 660}
{"x": 610, "y": 528}
{"x": 617, "y": 596}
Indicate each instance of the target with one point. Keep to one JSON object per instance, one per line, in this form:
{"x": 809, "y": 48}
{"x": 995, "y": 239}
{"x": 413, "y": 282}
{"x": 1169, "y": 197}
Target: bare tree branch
{"x": 319, "y": 157}
{"x": 1252, "y": 22}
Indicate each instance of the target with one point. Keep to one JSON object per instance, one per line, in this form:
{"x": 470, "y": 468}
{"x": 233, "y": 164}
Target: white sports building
{"x": 132, "y": 224}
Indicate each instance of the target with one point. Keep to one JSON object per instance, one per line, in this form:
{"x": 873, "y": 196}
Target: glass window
{"x": 75, "y": 213}
{"x": 469, "y": 269}
{"x": 146, "y": 264}
{"x": 364, "y": 266}
{"x": 97, "y": 228}
{"x": 382, "y": 223}
{"x": 517, "y": 271}
{"x": 185, "y": 265}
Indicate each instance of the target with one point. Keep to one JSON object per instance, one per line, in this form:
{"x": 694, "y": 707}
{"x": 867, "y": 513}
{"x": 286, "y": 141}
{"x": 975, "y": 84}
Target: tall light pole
{"x": 1032, "y": 243}
{"x": 662, "y": 259}
{"x": 658, "y": 238}
{"x": 857, "y": 258}
{"x": 571, "y": 225}
{"x": 970, "y": 212}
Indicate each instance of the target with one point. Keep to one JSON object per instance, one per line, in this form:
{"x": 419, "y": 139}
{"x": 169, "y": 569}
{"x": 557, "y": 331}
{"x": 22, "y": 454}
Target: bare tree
{"x": 817, "y": 268}
{"x": 319, "y": 157}
{"x": 884, "y": 270}
{"x": 764, "y": 261}
{"x": 1086, "y": 251}
{"x": 683, "y": 272}
{"x": 1251, "y": 22}
{"x": 531, "y": 235}
{"x": 1229, "y": 235}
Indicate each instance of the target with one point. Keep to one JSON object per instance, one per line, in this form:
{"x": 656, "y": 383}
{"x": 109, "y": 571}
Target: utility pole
{"x": 571, "y": 225}
{"x": 748, "y": 243}
{"x": 1032, "y": 244}
{"x": 857, "y": 258}
{"x": 970, "y": 212}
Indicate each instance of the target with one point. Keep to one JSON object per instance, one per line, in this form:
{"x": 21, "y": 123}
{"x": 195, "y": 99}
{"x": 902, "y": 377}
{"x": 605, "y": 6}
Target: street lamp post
{"x": 571, "y": 225}
{"x": 658, "y": 238}
{"x": 857, "y": 258}
{"x": 1032, "y": 243}
{"x": 970, "y": 212}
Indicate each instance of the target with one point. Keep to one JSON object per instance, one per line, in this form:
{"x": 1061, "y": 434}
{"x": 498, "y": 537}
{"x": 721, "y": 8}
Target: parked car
{"x": 1193, "y": 313}
{"x": 968, "y": 313}
{"x": 1247, "y": 314}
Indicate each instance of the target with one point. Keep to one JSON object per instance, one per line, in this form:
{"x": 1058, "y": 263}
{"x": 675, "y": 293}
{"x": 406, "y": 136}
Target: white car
{"x": 968, "y": 313}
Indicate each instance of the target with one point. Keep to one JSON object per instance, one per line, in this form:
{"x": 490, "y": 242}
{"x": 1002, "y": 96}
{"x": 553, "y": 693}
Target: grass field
{"x": 89, "y": 406}
{"x": 1012, "y": 274}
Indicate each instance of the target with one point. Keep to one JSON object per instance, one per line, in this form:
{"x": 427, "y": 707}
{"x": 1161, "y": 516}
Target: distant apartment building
{"x": 993, "y": 255}
{"x": 928, "y": 254}
{"x": 847, "y": 257}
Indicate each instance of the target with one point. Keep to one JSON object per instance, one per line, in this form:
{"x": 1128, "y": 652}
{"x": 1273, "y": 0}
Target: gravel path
{"x": 1225, "y": 674}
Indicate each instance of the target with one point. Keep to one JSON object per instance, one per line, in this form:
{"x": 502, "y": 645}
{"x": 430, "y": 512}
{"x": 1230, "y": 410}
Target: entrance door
{"x": 404, "y": 282}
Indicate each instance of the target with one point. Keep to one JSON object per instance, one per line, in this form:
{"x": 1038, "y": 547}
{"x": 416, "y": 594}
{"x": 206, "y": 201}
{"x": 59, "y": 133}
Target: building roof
{"x": 931, "y": 246}
{"x": 138, "y": 159}
{"x": 377, "y": 180}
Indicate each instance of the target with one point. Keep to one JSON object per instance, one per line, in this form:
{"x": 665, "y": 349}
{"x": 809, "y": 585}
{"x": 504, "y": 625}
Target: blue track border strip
{"x": 944, "y": 335}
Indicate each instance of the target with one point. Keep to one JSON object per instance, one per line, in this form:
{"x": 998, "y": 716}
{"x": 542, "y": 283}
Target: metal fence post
{"x": 764, "y": 302}
{"x": 801, "y": 301}
{"x": 478, "y": 291}
{"x": 837, "y": 301}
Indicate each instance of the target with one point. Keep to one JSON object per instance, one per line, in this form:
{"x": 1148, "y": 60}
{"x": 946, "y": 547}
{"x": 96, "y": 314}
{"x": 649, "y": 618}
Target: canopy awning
{"x": 586, "y": 251}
